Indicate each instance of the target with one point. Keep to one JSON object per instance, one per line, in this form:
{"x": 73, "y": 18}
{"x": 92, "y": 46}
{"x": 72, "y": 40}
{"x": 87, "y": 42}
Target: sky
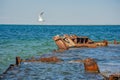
{"x": 60, "y": 12}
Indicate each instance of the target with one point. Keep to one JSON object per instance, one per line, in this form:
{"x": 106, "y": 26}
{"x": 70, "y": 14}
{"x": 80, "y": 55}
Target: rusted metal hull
{"x": 65, "y": 42}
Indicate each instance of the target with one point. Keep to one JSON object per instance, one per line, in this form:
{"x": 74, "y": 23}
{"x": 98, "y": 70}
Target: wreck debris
{"x": 115, "y": 42}
{"x": 18, "y": 60}
{"x": 91, "y": 66}
{"x": 11, "y": 66}
{"x": 105, "y": 43}
{"x": 43, "y": 59}
{"x": 65, "y": 42}
{"x": 60, "y": 43}
{"x": 114, "y": 77}
{"x": 50, "y": 59}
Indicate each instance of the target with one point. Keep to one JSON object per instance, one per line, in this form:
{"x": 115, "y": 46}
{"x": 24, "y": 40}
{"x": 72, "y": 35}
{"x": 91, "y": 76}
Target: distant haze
{"x": 60, "y": 12}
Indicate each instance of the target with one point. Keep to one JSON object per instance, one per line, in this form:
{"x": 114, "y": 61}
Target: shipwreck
{"x": 73, "y": 41}
{"x": 54, "y": 66}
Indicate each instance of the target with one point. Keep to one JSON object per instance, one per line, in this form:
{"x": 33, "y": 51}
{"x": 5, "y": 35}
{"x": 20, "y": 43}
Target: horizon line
{"x": 65, "y": 24}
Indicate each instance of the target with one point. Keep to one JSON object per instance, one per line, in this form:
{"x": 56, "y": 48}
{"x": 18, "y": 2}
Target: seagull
{"x": 40, "y": 18}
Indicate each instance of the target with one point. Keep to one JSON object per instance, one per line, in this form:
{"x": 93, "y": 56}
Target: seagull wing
{"x": 41, "y": 13}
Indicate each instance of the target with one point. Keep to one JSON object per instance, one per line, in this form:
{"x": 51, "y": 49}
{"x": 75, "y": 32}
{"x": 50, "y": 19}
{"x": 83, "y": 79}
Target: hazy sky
{"x": 75, "y": 12}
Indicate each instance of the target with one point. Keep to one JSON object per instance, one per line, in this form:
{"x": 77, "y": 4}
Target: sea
{"x": 27, "y": 41}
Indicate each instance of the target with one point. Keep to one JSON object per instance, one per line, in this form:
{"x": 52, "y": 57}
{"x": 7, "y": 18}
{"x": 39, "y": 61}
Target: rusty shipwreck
{"x": 73, "y": 41}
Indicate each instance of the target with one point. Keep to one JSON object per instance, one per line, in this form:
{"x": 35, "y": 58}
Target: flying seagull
{"x": 40, "y": 18}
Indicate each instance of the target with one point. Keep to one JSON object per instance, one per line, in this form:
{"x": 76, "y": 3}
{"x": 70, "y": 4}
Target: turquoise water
{"x": 108, "y": 60}
{"x": 33, "y": 40}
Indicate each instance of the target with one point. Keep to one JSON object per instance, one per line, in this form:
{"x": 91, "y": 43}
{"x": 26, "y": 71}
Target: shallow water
{"x": 34, "y": 40}
{"x": 108, "y": 59}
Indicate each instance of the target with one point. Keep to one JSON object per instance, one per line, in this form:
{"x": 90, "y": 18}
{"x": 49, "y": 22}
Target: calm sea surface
{"x": 33, "y": 40}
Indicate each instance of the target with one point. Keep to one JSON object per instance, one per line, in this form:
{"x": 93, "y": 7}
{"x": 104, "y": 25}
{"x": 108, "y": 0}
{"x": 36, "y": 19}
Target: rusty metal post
{"x": 91, "y": 66}
{"x": 18, "y": 60}
{"x": 115, "y": 42}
